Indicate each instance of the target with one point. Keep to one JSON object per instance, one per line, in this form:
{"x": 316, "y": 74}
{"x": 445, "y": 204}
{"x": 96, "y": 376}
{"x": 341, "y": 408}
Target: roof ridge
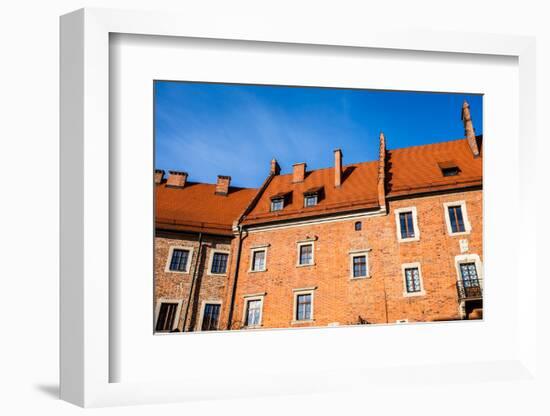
{"x": 426, "y": 145}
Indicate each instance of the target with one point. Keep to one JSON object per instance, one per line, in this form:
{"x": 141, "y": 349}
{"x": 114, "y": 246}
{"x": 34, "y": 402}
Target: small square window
{"x": 310, "y": 200}
{"x": 258, "y": 260}
{"x": 358, "y": 226}
{"x": 451, "y": 171}
{"x": 277, "y": 204}
{"x": 306, "y": 254}
{"x": 179, "y": 260}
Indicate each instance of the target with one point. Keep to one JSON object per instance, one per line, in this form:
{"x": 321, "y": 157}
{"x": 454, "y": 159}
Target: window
{"x": 210, "y": 317}
{"x": 303, "y": 307}
{"x": 412, "y": 279}
{"x": 219, "y": 263}
{"x": 277, "y": 204}
{"x": 407, "y": 224}
{"x": 358, "y": 226}
{"x": 468, "y": 273}
{"x": 305, "y": 254}
{"x": 253, "y": 314}
{"x": 258, "y": 260}
{"x": 310, "y": 200}
{"x": 456, "y": 218}
{"x": 449, "y": 168}
{"x": 360, "y": 266}
{"x": 179, "y": 260}
{"x": 166, "y": 318}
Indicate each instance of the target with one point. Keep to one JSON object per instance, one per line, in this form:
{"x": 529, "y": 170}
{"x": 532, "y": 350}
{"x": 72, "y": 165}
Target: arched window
{"x": 358, "y": 226}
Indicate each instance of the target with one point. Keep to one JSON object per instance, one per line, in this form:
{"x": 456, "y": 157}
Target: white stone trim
{"x": 415, "y": 224}
{"x": 211, "y": 260}
{"x": 247, "y": 299}
{"x": 203, "y": 307}
{"x": 189, "y": 259}
{"x": 307, "y": 222}
{"x": 176, "y": 317}
{"x": 467, "y": 226}
{"x": 251, "y": 262}
{"x": 303, "y": 291}
{"x": 299, "y": 244}
{"x": 404, "y": 277}
{"x": 359, "y": 253}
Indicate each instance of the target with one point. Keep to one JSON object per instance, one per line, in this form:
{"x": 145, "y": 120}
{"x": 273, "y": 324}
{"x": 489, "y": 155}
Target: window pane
{"x": 358, "y": 226}
{"x": 303, "y": 307}
{"x": 469, "y": 274}
{"x": 310, "y": 200}
{"x": 253, "y": 312}
{"x": 412, "y": 280}
{"x": 166, "y": 316}
{"x": 406, "y": 224}
{"x": 359, "y": 266}
{"x": 277, "y": 204}
{"x": 306, "y": 254}
{"x": 258, "y": 261}
{"x": 456, "y": 219}
{"x": 211, "y": 317}
{"x": 179, "y": 260}
{"x": 219, "y": 263}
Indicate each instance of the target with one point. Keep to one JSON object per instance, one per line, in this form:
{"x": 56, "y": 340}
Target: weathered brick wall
{"x": 378, "y": 299}
{"x": 176, "y": 286}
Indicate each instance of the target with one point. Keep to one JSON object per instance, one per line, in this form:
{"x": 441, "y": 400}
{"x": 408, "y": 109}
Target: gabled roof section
{"x": 417, "y": 169}
{"x": 197, "y": 208}
{"x": 358, "y": 191}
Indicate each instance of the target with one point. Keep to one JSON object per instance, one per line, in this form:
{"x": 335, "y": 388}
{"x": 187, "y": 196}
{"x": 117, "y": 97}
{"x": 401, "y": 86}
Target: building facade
{"x": 398, "y": 239}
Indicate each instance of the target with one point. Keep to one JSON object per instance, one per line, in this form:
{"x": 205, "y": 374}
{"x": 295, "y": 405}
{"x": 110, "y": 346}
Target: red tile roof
{"x": 197, "y": 208}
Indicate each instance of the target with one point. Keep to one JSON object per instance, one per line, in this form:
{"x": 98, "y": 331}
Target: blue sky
{"x": 227, "y": 129}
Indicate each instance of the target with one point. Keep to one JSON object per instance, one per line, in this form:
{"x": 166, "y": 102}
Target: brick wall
{"x": 377, "y": 299}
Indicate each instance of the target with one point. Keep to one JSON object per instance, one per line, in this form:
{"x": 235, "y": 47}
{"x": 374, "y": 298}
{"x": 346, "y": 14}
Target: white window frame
{"x": 254, "y": 250}
{"x": 315, "y": 195}
{"x": 299, "y": 244}
{"x": 303, "y": 291}
{"x": 249, "y": 298}
{"x": 203, "y": 307}
{"x": 359, "y": 253}
{"x": 211, "y": 261}
{"x": 467, "y": 226}
{"x": 415, "y": 224}
{"x": 176, "y": 317}
{"x": 422, "y": 288}
{"x": 189, "y": 259}
{"x": 277, "y": 199}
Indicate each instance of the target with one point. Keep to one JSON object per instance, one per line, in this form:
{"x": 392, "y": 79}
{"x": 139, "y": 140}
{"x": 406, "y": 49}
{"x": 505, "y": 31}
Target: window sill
{"x": 305, "y": 321}
{"x": 305, "y": 265}
{"x": 414, "y": 294}
{"x": 252, "y": 326}
{"x": 216, "y": 274}
{"x": 360, "y": 278}
{"x": 257, "y": 271}
{"x": 408, "y": 240}
{"x": 459, "y": 234}
{"x": 175, "y": 272}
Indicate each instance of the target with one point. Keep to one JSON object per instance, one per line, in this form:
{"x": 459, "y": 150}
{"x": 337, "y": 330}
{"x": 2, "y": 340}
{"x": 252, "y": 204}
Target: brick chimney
{"x": 382, "y": 172}
{"x": 298, "y": 172}
{"x": 222, "y": 186}
{"x": 159, "y": 175}
{"x": 469, "y": 131}
{"x": 275, "y": 168}
{"x": 176, "y": 179}
{"x": 338, "y": 156}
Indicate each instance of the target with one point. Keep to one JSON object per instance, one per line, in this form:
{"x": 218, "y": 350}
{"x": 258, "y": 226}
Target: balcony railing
{"x": 471, "y": 289}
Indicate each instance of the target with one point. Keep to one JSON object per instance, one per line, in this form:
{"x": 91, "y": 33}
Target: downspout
{"x": 195, "y": 269}
{"x": 235, "y": 277}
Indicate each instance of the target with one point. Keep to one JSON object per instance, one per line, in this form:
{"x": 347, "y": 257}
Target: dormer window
{"x": 449, "y": 168}
{"x": 277, "y": 204}
{"x": 312, "y": 196}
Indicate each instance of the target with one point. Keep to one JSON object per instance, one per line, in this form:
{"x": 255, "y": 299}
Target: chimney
{"x": 382, "y": 172}
{"x": 222, "y": 186}
{"x": 159, "y": 175}
{"x": 176, "y": 179}
{"x": 275, "y": 168}
{"x": 469, "y": 131}
{"x": 338, "y": 167}
{"x": 298, "y": 172}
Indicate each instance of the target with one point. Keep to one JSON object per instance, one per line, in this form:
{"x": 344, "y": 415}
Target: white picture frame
{"x": 86, "y": 291}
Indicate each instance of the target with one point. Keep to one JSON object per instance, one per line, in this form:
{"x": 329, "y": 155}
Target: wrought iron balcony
{"x": 472, "y": 289}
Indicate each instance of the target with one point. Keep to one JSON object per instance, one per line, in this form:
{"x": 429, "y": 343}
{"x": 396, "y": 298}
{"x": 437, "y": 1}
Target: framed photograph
{"x": 278, "y": 212}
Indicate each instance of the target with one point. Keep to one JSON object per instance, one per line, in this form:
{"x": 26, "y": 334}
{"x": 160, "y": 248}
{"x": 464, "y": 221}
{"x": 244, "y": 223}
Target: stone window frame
{"x": 417, "y": 265}
{"x": 299, "y": 244}
{"x": 203, "y": 307}
{"x": 303, "y": 291}
{"x": 211, "y": 261}
{"x": 358, "y": 253}
{"x": 247, "y": 299}
{"x": 467, "y": 225}
{"x": 254, "y": 249}
{"x": 176, "y": 317}
{"x": 416, "y": 228}
{"x": 468, "y": 258}
{"x": 189, "y": 259}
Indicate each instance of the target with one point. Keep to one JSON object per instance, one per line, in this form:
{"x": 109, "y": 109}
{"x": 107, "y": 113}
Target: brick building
{"x": 398, "y": 239}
